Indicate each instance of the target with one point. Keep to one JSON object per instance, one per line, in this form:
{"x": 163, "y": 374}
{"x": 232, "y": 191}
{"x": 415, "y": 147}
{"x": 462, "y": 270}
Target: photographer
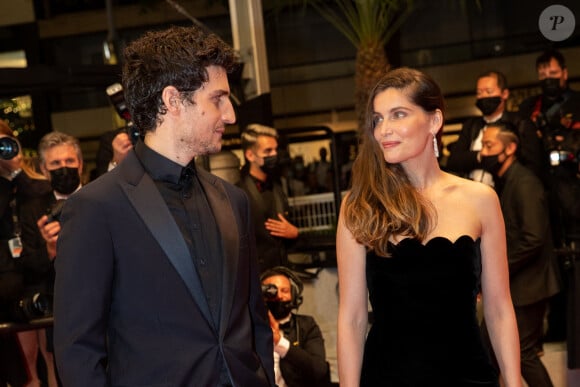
{"x": 61, "y": 163}
{"x": 556, "y": 113}
{"x": 299, "y": 354}
{"x": 19, "y": 183}
{"x": 114, "y": 145}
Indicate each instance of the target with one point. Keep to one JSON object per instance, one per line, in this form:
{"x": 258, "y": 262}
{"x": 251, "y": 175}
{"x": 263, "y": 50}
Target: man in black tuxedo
{"x": 299, "y": 354}
{"x": 156, "y": 278}
{"x": 533, "y": 271}
{"x": 465, "y": 154}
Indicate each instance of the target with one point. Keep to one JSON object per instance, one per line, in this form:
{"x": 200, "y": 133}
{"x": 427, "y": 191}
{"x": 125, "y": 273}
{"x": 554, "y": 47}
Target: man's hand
{"x": 121, "y": 146}
{"x": 275, "y": 328}
{"x": 281, "y": 228}
{"x": 49, "y": 232}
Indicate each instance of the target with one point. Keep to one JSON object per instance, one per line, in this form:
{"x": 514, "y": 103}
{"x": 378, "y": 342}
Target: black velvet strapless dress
{"x": 425, "y": 331}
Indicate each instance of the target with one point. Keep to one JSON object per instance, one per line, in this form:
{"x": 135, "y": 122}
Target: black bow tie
{"x": 286, "y": 326}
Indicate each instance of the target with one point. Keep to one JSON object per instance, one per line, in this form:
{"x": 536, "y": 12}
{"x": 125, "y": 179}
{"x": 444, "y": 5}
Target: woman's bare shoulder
{"x": 470, "y": 188}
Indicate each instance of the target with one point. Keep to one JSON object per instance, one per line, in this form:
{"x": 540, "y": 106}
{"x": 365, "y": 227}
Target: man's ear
{"x": 171, "y": 97}
{"x": 505, "y": 94}
{"x": 511, "y": 148}
{"x": 249, "y": 155}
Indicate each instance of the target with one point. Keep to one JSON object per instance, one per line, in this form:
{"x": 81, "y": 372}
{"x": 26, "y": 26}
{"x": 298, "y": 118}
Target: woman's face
{"x": 9, "y": 166}
{"x": 402, "y": 129}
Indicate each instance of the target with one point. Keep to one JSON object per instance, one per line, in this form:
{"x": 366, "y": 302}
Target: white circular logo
{"x": 556, "y": 23}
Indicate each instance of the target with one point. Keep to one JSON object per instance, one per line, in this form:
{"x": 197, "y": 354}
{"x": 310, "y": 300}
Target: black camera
{"x": 54, "y": 211}
{"x": 9, "y": 148}
{"x": 117, "y": 98}
{"x": 270, "y": 292}
{"x": 559, "y": 156}
{"x": 29, "y": 308}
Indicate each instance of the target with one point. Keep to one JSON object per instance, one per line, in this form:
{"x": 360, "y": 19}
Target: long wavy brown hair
{"x": 382, "y": 201}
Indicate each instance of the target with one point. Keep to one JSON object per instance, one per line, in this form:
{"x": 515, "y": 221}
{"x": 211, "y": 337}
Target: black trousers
{"x": 530, "y": 321}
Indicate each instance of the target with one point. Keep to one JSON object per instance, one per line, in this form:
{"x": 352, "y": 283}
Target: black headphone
{"x": 296, "y": 285}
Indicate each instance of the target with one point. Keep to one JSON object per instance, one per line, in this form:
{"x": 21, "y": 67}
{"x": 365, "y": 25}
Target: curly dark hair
{"x": 179, "y": 57}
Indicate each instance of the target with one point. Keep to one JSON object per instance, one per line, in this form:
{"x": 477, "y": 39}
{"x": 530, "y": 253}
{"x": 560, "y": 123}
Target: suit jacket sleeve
{"x": 34, "y": 256}
{"x": 461, "y": 157}
{"x": 531, "y": 153}
{"x": 84, "y": 275}
{"x": 532, "y": 217}
{"x": 263, "y": 333}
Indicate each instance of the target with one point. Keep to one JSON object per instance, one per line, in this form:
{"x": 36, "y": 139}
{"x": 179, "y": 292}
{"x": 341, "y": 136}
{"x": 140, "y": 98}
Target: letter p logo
{"x": 556, "y": 23}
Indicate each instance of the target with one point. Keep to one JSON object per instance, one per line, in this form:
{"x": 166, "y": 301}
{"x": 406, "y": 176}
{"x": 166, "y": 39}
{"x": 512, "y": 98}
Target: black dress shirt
{"x": 187, "y": 202}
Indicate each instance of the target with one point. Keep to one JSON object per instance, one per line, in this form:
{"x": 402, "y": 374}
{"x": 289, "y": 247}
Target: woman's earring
{"x": 435, "y": 147}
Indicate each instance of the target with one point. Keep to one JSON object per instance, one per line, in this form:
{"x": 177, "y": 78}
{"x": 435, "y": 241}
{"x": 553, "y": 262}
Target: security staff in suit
{"x": 299, "y": 354}
{"x": 465, "y": 154}
{"x": 274, "y": 232}
{"x": 534, "y": 276}
{"x": 156, "y": 284}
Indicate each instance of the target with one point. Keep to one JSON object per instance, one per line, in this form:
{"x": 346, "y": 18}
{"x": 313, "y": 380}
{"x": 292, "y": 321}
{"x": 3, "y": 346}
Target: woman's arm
{"x": 497, "y": 302}
{"x": 352, "y": 306}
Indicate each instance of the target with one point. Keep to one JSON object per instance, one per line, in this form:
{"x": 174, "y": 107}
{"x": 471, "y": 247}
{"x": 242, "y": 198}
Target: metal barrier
{"x": 39, "y": 323}
{"x": 314, "y": 214}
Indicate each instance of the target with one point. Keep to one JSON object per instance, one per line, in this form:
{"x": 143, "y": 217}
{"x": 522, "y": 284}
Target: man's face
{"x": 283, "y": 285}
{"x": 63, "y": 155}
{"x": 553, "y": 70}
{"x": 488, "y": 87}
{"x": 203, "y": 123}
{"x": 491, "y": 144}
{"x": 265, "y": 146}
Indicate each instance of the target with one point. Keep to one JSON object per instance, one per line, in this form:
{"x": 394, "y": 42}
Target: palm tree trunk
{"x": 371, "y": 64}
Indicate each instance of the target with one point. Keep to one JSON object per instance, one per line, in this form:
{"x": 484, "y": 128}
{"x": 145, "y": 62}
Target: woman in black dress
{"x": 420, "y": 244}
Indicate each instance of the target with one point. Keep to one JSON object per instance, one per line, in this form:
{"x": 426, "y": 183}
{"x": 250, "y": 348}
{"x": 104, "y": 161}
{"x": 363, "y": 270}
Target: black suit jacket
{"x": 532, "y": 262}
{"x": 37, "y": 268}
{"x": 271, "y": 251}
{"x": 305, "y": 362}
{"x": 530, "y": 152}
{"x": 129, "y": 306}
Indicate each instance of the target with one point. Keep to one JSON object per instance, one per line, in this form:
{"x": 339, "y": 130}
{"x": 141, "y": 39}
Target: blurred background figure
{"x": 465, "y": 154}
{"x": 533, "y": 270}
{"x": 269, "y": 204}
{"x": 299, "y": 354}
{"x": 19, "y": 183}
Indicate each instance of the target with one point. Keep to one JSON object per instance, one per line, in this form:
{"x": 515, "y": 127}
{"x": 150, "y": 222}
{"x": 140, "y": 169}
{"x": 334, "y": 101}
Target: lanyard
{"x": 15, "y": 221}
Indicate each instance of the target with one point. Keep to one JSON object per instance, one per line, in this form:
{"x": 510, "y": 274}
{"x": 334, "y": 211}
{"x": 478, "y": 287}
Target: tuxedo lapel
{"x": 145, "y": 197}
{"x": 228, "y": 228}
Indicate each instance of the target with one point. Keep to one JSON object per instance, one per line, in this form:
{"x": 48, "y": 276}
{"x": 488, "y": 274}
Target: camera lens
{"x": 8, "y": 148}
{"x": 35, "y": 306}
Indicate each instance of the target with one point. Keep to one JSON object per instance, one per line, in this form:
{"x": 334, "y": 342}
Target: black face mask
{"x": 491, "y": 164}
{"x": 280, "y": 309}
{"x": 65, "y": 180}
{"x": 488, "y": 105}
{"x": 270, "y": 164}
{"x": 551, "y": 87}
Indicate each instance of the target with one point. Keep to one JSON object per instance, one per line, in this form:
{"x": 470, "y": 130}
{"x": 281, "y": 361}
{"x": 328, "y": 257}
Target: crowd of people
{"x": 161, "y": 273}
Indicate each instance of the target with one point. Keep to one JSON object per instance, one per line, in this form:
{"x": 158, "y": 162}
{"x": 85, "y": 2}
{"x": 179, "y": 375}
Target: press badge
{"x": 15, "y": 245}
